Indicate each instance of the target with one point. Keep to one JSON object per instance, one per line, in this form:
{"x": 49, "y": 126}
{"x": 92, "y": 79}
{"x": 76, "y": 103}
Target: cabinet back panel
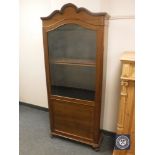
{"x": 73, "y": 76}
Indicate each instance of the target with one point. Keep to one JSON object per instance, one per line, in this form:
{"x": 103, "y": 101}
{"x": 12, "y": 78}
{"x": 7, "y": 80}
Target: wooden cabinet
{"x": 74, "y": 52}
{"x": 126, "y": 117}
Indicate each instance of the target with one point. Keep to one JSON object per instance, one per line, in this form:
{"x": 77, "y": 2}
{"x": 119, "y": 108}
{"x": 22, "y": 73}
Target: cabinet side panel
{"x": 99, "y": 75}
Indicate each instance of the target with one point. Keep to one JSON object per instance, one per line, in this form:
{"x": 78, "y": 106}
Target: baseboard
{"x": 105, "y": 132}
{"x": 33, "y": 106}
{"x": 108, "y": 133}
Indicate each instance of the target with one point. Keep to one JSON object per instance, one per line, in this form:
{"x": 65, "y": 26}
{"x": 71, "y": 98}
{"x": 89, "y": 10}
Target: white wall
{"x": 32, "y": 72}
{"x": 120, "y": 39}
{"x": 89, "y": 4}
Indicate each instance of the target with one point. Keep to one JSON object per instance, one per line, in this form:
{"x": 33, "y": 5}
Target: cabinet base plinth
{"x": 95, "y": 146}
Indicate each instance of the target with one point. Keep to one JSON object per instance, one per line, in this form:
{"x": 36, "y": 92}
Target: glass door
{"x": 72, "y": 58}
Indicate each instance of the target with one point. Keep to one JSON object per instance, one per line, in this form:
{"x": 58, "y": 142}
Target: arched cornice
{"x": 76, "y": 9}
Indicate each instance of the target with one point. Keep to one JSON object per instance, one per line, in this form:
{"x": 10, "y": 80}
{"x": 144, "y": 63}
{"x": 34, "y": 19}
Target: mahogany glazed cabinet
{"x": 74, "y": 51}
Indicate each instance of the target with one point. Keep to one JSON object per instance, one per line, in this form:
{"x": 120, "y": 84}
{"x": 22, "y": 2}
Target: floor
{"x": 34, "y": 137}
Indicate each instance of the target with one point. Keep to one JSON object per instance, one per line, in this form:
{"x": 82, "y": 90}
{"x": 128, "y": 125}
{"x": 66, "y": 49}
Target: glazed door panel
{"x": 72, "y": 61}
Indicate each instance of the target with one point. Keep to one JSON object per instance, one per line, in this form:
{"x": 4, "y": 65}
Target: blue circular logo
{"x": 122, "y": 142}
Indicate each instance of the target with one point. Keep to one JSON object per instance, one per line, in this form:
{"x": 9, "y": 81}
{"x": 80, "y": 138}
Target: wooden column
{"x": 126, "y": 115}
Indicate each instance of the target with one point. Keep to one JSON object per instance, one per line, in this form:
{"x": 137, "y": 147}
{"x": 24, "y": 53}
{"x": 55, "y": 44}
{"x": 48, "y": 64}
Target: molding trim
{"x": 121, "y": 17}
{"x": 33, "y": 106}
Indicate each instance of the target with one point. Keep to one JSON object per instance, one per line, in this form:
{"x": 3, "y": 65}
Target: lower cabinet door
{"x": 73, "y": 118}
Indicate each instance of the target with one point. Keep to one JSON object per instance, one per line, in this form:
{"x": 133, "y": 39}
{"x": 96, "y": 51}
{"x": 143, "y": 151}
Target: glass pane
{"x": 73, "y": 81}
{"x": 72, "y": 57}
{"x": 73, "y": 42}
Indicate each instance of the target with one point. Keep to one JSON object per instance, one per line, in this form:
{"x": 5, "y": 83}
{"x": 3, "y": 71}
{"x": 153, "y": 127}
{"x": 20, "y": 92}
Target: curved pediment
{"x": 70, "y": 11}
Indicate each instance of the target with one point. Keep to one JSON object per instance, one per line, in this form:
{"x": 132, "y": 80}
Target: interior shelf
{"x": 78, "y": 62}
{"x": 73, "y": 92}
